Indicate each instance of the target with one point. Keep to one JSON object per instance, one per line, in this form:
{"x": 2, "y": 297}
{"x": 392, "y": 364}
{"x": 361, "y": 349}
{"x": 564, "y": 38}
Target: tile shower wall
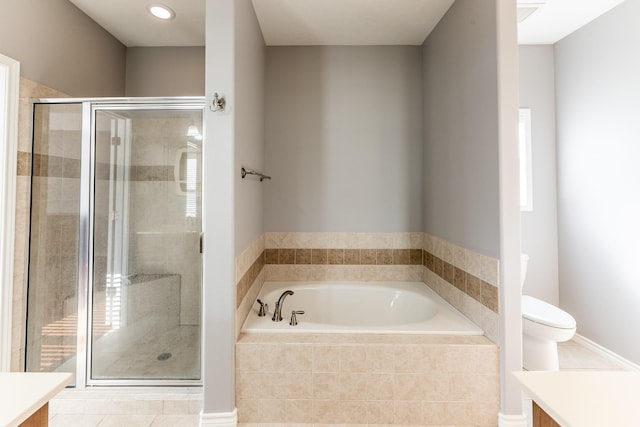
{"x": 163, "y": 239}
{"x": 62, "y": 186}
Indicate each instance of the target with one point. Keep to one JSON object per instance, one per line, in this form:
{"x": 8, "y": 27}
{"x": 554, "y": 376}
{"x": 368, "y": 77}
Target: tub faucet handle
{"x": 262, "y": 311}
{"x": 294, "y": 319}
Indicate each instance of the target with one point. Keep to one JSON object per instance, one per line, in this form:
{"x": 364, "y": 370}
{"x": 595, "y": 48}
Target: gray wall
{"x": 598, "y": 88}
{"x": 165, "y": 71}
{"x": 540, "y": 226}
{"x": 461, "y": 128}
{"x": 250, "y": 53}
{"x": 59, "y": 46}
{"x": 343, "y": 139}
{"x": 218, "y": 219}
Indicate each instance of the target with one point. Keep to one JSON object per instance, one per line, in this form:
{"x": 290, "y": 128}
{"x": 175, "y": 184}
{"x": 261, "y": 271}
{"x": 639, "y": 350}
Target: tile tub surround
{"x": 466, "y": 279}
{"x": 471, "y": 285}
{"x": 250, "y": 276}
{"x": 367, "y": 379}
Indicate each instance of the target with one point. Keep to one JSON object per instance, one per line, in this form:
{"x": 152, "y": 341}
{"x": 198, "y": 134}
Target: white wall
{"x": 165, "y": 71}
{"x": 61, "y": 47}
{"x": 598, "y": 89}
{"x": 9, "y": 88}
{"x": 460, "y": 128}
{"x": 540, "y": 226}
{"x": 343, "y": 139}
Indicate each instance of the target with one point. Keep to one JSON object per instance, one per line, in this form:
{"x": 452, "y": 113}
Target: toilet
{"x": 543, "y": 327}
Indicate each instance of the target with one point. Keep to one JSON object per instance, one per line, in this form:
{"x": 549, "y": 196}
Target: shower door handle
{"x": 201, "y": 243}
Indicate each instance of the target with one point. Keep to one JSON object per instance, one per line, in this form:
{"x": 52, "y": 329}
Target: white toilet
{"x": 543, "y": 326}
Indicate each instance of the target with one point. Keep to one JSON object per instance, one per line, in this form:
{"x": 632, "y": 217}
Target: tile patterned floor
{"x": 128, "y": 407}
{"x": 76, "y": 420}
{"x": 574, "y": 356}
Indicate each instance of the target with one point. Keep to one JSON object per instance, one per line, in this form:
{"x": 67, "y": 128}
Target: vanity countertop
{"x": 585, "y": 399}
{"x": 23, "y": 393}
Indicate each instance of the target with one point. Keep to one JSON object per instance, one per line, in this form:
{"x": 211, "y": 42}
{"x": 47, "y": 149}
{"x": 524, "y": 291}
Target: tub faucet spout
{"x": 277, "y": 313}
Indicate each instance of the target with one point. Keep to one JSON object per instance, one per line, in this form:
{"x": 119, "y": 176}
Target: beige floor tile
{"x": 127, "y": 420}
{"x": 573, "y": 356}
{"x": 176, "y": 421}
{"x": 68, "y": 420}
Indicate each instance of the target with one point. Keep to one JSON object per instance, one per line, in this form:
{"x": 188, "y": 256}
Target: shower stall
{"x": 114, "y": 286}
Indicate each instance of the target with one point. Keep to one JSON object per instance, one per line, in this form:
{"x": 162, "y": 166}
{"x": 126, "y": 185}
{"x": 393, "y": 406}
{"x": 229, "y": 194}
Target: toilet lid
{"x": 546, "y": 314}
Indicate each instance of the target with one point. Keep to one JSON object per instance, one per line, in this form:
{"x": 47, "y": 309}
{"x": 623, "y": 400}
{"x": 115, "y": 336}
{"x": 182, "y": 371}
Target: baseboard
{"x": 606, "y": 353}
{"x": 512, "y": 420}
{"x": 219, "y": 419}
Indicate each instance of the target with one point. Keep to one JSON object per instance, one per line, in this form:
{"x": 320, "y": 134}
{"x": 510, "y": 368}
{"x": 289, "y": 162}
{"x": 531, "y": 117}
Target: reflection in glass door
{"x": 145, "y": 312}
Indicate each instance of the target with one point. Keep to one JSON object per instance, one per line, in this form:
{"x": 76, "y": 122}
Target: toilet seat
{"x": 546, "y": 314}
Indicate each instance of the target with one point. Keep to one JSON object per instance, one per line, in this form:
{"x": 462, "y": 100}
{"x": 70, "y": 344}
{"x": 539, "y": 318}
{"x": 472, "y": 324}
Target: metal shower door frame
{"x": 86, "y": 228}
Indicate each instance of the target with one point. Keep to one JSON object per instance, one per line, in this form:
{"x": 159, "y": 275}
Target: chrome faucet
{"x": 277, "y": 313}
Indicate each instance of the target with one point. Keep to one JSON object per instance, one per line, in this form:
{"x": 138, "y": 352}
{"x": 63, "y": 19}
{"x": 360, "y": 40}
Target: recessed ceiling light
{"x": 161, "y": 11}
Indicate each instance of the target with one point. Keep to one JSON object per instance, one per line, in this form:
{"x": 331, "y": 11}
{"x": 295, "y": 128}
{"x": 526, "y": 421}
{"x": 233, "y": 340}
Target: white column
{"x": 511, "y": 413}
{"x": 9, "y": 85}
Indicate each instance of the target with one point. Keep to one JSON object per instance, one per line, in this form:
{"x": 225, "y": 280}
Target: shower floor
{"x": 174, "y": 354}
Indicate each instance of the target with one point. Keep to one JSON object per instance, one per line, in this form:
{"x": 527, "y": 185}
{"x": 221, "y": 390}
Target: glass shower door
{"x": 146, "y": 284}
{"x": 52, "y": 299}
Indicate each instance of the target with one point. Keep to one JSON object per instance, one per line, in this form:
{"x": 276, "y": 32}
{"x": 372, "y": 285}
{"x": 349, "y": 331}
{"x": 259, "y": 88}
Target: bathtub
{"x": 359, "y": 307}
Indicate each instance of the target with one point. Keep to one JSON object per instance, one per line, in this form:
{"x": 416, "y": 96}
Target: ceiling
{"x": 556, "y": 19}
{"x": 330, "y": 22}
{"x": 352, "y": 22}
{"x": 129, "y": 21}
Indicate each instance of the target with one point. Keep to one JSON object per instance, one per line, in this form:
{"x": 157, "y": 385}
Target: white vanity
{"x": 24, "y": 397}
{"x": 583, "y": 399}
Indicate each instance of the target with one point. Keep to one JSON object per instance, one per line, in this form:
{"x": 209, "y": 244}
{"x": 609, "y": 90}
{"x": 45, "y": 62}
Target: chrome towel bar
{"x": 246, "y": 171}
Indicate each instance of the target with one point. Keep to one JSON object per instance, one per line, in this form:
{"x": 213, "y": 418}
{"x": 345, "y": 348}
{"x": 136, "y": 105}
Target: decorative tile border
{"x": 151, "y": 173}
{"x": 476, "y": 288}
{"x": 246, "y": 281}
{"x": 46, "y": 165}
{"x": 332, "y": 240}
{"x": 24, "y": 164}
{"x": 344, "y": 256}
{"x": 250, "y": 275}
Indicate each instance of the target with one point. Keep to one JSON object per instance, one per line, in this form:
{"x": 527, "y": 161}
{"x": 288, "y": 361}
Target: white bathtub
{"x": 359, "y": 307}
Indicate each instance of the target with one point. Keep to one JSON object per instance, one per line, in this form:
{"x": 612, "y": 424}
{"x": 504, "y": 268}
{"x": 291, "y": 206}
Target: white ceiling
{"x": 352, "y": 22}
{"x": 557, "y": 19}
{"x": 331, "y": 22}
{"x": 129, "y": 21}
